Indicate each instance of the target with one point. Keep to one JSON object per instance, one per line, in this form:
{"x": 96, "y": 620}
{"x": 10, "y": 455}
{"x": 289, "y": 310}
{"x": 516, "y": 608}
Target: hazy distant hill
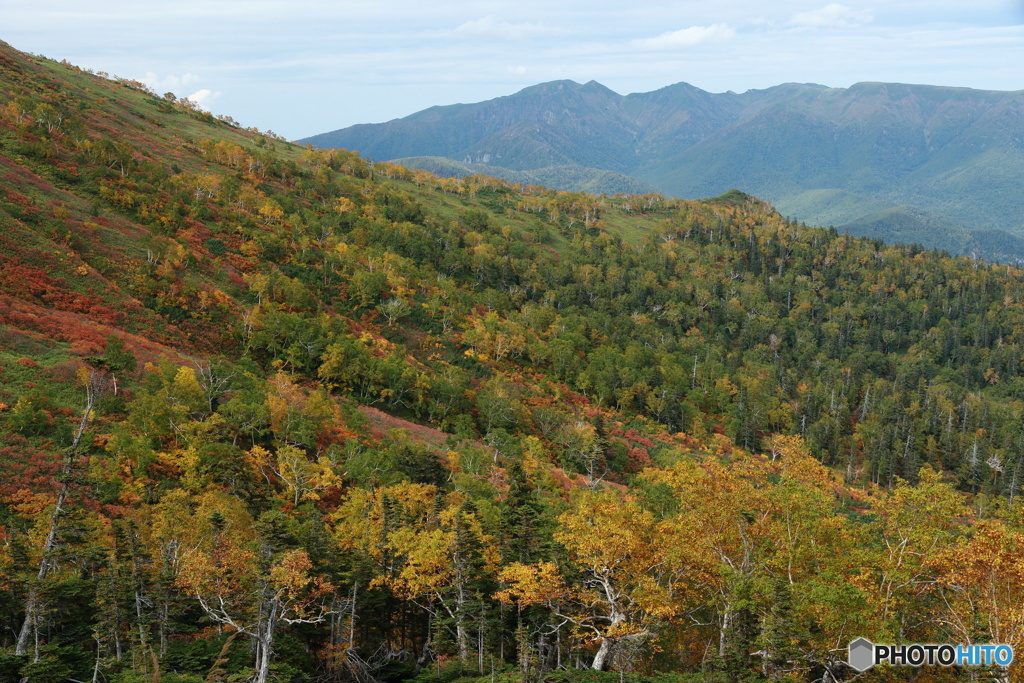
{"x": 823, "y": 155}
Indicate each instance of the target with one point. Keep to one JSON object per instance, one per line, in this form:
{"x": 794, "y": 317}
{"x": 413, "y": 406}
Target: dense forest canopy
{"x": 270, "y": 412}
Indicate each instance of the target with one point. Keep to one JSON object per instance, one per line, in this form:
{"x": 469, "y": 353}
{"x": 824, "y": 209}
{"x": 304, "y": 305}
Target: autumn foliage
{"x": 279, "y": 413}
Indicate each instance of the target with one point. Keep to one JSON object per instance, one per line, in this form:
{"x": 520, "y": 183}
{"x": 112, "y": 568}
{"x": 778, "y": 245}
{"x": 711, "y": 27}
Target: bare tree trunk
{"x": 32, "y": 602}
{"x": 265, "y": 642}
{"x": 263, "y": 653}
{"x": 723, "y": 633}
{"x": 602, "y": 654}
{"x": 352, "y": 616}
{"x": 462, "y": 637}
{"x": 165, "y": 618}
{"x": 137, "y": 587}
{"x": 601, "y": 658}
{"x": 96, "y": 666}
{"x": 143, "y": 640}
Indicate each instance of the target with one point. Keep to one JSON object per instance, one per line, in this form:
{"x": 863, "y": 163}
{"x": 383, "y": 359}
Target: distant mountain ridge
{"x": 927, "y": 155}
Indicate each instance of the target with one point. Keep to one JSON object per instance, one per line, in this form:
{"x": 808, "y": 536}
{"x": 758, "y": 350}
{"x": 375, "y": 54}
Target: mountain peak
{"x": 550, "y": 87}
{"x": 594, "y": 86}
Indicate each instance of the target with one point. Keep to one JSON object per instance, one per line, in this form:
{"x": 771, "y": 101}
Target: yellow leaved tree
{"x": 741, "y": 534}
{"x": 619, "y": 588}
{"x": 914, "y": 523}
{"x": 981, "y": 584}
{"x": 429, "y": 548}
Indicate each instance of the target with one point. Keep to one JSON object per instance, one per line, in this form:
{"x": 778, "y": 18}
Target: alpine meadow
{"x": 271, "y": 412}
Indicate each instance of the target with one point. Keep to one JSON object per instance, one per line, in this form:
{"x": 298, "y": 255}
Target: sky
{"x": 302, "y": 67}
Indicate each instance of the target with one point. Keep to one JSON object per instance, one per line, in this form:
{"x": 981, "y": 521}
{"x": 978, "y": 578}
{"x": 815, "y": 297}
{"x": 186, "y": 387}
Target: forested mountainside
{"x": 570, "y": 178}
{"x": 942, "y": 163}
{"x": 276, "y": 412}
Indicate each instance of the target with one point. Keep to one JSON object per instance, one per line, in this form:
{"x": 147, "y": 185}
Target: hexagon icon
{"x": 861, "y": 654}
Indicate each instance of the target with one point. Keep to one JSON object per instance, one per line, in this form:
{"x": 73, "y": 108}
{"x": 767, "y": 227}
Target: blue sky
{"x": 300, "y": 67}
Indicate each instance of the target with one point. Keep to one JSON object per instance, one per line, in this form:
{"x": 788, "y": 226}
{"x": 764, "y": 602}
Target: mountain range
{"x": 933, "y": 165}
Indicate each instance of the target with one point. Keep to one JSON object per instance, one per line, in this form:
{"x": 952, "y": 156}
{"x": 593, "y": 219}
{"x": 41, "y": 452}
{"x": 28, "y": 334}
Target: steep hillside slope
{"x": 134, "y": 218}
{"x": 571, "y": 178}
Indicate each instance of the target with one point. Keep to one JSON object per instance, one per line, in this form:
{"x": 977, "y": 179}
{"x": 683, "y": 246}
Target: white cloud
{"x": 517, "y": 70}
{"x": 203, "y": 98}
{"x": 170, "y": 83}
{"x": 831, "y": 16}
{"x": 687, "y": 37}
{"x": 489, "y": 27}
